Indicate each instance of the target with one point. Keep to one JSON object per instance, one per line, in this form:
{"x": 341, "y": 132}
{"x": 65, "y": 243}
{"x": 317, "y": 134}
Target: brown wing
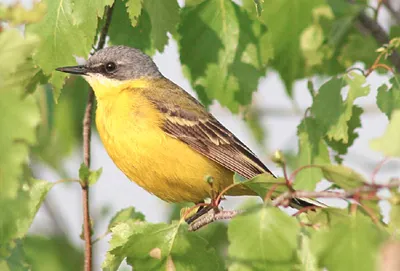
{"x": 188, "y": 121}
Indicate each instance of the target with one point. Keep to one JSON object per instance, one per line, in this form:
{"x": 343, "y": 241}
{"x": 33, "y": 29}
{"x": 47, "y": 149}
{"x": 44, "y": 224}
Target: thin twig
{"x": 211, "y": 217}
{"x": 87, "y": 122}
{"x": 380, "y": 36}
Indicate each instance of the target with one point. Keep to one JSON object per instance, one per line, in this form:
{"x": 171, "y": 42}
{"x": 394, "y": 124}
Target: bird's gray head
{"x": 117, "y": 62}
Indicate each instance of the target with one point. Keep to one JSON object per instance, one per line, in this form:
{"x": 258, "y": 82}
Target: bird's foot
{"x": 204, "y": 209}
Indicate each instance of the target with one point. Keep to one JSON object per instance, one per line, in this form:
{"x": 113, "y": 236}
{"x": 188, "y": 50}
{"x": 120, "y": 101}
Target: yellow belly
{"x": 159, "y": 163}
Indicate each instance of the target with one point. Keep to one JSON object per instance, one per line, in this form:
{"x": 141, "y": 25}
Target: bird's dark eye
{"x": 110, "y": 67}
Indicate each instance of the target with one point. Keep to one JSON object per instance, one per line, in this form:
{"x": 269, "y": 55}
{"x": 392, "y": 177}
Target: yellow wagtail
{"x": 158, "y": 135}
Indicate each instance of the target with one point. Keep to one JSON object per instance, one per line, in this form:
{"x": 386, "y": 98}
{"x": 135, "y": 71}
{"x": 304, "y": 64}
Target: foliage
{"x": 225, "y": 48}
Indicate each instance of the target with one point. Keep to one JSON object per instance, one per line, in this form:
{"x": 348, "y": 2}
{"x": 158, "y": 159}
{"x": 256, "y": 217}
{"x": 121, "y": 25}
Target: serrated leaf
{"x": 388, "y": 99}
{"x": 89, "y": 176}
{"x": 389, "y": 143}
{"x": 18, "y": 213}
{"x": 288, "y": 59}
{"x": 134, "y": 8}
{"x": 51, "y": 253}
{"x": 312, "y": 150}
{"x": 86, "y": 15}
{"x": 269, "y": 240}
{"x": 347, "y": 241}
{"x": 331, "y": 111}
{"x": 342, "y": 176}
{"x": 355, "y": 122}
{"x": 159, "y": 247}
{"x": 123, "y": 215}
{"x": 164, "y": 16}
{"x": 224, "y": 53}
{"x": 121, "y": 29}
{"x": 58, "y": 33}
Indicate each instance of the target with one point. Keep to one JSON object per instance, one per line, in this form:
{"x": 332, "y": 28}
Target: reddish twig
{"x": 271, "y": 191}
{"x": 376, "y": 169}
{"x": 87, "y": 122}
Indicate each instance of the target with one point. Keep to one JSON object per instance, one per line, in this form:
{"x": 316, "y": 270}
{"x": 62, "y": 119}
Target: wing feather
{"x": 193, "y": 125}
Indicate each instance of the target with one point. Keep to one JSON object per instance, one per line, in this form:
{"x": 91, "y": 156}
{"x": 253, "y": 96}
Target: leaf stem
{"x": 87, "y": 121}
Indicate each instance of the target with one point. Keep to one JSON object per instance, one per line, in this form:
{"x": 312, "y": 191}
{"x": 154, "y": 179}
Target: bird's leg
{"x": 201, "y": 211}
{"x": 204, "y": 209}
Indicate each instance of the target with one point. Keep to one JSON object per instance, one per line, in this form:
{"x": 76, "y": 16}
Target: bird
{"x": 159, "y": 135}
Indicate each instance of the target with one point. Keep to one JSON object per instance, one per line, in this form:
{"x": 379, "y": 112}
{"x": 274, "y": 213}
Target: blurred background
{"x": 270, "y": 125}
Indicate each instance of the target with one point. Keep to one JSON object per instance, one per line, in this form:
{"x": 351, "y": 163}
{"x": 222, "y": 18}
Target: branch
{"x": 282, "y": 200}
{"x": 211, "y": 217}
{"x": 380, "y": 36}
{"x": 87, "y": 121}
{"x": 395, "y": 13}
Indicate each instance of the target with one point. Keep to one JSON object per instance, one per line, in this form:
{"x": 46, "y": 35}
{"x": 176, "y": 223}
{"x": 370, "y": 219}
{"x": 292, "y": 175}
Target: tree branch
{"x": 87, "y": 121}
{"x": 211, "y": 217}
{"x": 395, "y": 13}
{"x": 380, "y": 36}
{"x": 284, "y": 198}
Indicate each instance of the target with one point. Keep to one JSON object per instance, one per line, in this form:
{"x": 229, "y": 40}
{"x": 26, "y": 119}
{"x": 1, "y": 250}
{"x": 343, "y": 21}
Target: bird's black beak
{"x": 81, "y": 69}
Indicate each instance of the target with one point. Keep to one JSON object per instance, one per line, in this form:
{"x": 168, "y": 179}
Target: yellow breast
{"x": 130, "y": 129}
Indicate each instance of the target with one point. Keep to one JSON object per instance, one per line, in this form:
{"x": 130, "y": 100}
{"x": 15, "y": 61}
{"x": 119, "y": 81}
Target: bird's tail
{"x": 299, "y": 203}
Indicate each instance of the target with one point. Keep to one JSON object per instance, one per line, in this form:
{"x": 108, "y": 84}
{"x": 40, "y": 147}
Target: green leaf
{"x": 18, "y": 121}
{"x": 121, "y": 29}
{"x": 342, "y": 176}
{"x": 159, "y": 247}
{"x": 388, "y": 99}
{"x": 16, "y": 50}
{"x": 389, "y": 143}
{"x": 307, "y": 258}
{"x": 331, "y": 111}
{"x": 86, "y": 15}
{"x": 58, "y": 33}
{"x": 18, "y": 213}
{"x": 355, "y": 122}
{"x": 124, "y": 215}
{"x": 223, "y": 53}
{"x": 262, "y": 183}
{"x": 328, "y": 217}
{"x": 394, "y": 222}
{"x": 216, "y": 235}
{"x": 134, "y": 7}
{"x": 285, "y": 35}
{"x": 264, "y": 238}
{"x": 312, "y": 150}
{"x": 164, "y": 16}
{"x": 347, "y": 241}
{"x": 17, "y": 14}
{"x": 51, "y": 253}
{"x": 12, "y": 257}
{"x": 89, "y": 176}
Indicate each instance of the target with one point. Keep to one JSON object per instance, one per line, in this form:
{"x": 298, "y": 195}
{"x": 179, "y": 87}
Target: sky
{"x": 115, "y": 191}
